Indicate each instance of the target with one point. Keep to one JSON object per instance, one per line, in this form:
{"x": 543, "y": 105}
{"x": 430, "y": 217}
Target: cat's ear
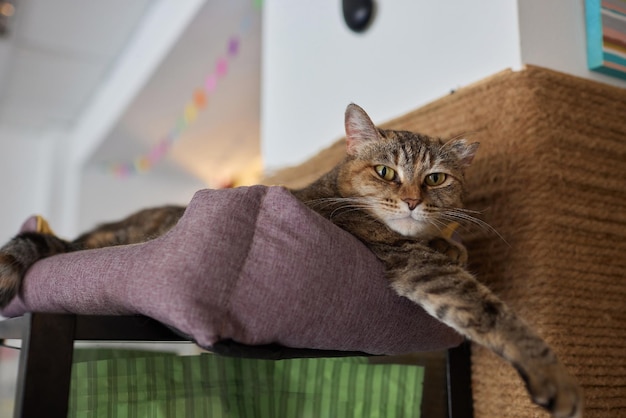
{"x": 359, "y": 129}
{"x": 464, "y": 150}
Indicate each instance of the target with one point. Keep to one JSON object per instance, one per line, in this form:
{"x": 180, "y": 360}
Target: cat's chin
{"x": 409, "y": 227}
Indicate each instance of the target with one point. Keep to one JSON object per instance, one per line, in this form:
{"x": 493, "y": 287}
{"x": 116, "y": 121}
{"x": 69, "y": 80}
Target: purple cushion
{"x": 249, "y": 264}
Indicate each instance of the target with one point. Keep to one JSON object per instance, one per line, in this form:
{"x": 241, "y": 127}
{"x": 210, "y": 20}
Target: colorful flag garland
{"x": 198, "y": 102}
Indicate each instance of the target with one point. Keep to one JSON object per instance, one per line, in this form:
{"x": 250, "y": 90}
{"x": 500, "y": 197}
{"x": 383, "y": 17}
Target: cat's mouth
{"x": 410, "y": 224}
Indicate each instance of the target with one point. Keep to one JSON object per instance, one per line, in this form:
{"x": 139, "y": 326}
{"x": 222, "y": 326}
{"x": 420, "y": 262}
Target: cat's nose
{"x": 411, "y": 202}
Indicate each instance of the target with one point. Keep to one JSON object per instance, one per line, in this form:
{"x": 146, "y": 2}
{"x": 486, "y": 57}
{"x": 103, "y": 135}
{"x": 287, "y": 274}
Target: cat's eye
{"x": 435, "y": 179}
{"x": 385, "y": 172}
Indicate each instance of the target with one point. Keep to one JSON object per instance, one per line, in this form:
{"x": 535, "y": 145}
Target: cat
{"x": 395, "y": 191}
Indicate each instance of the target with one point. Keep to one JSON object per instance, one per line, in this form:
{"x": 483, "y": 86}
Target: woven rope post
{"x": 550, "y": 176}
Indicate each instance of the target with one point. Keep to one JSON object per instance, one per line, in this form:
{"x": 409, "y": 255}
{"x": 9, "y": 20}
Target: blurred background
{"x": 106, "y": 107}
{"x": 110, "y": 106}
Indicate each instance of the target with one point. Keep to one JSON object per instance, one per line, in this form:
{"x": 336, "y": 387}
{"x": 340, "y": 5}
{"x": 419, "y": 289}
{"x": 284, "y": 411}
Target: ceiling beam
{"x": 153, "y": 39}
{"x": 155, "y": 36}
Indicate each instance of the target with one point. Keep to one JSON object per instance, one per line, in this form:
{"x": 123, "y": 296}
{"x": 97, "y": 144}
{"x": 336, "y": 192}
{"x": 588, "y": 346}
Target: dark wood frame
{"x": 45, "y": 363}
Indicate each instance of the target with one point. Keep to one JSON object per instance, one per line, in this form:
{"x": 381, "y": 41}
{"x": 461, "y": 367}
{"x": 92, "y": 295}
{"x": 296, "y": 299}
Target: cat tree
{"x": 550, "y": 177}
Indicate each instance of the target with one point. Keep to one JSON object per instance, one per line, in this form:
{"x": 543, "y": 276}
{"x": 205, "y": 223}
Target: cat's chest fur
{"x": 397, "y": 192}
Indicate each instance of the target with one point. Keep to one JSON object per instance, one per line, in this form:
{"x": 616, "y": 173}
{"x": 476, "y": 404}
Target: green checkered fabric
{"x": 169, "y": 386}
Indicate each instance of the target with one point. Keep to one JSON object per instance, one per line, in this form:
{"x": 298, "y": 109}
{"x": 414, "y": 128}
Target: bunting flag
{"x": 198, "y": 101}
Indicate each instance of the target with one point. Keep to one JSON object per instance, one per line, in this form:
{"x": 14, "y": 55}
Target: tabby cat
{"x": 395, "y": 191}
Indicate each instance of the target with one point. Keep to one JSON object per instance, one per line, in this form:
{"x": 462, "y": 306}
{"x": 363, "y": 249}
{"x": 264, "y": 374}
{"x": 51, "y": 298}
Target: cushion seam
{"x": 228, "y": 316}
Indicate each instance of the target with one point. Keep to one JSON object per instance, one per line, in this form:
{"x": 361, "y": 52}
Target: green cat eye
{"x": 385, "y": 172}
{"x": 435, "y": 179}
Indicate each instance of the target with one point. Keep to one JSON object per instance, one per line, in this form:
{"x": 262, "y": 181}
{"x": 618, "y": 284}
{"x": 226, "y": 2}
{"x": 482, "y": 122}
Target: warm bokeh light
{"x": 7, "y": 9}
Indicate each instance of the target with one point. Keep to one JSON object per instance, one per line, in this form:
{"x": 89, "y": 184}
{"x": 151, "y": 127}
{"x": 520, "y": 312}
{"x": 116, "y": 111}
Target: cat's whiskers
{"x": 346, "y": 209}
{"x": 464, "y": 215}
{"x": 327, "y": 201}
{"x": 433, "y": 215}
{"x": 343, "y": 205}
{"x": 435, "y": 221}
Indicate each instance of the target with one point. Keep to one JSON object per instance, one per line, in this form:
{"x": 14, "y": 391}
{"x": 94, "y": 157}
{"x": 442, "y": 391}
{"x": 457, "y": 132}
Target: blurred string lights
{"x": 198, "y": 101}
{"x": 7, "y": 10}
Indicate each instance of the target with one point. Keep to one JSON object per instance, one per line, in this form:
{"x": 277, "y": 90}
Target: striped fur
{"x": 421, "y": 265}
{"x": 382, "y": 194}
{"x": 25, "y": 249}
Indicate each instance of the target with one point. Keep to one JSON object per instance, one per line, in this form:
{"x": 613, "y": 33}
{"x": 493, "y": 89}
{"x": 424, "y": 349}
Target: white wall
{"x": 25, "y": 164}
{"x": 105, "y": 198}
{"x": 414, "y": 52}
{"x": 42, "y": 167}
{"x": 553, "y": 35}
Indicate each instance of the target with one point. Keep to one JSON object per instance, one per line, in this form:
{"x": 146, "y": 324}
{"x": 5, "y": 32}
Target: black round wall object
{"x": 358, "y": 14}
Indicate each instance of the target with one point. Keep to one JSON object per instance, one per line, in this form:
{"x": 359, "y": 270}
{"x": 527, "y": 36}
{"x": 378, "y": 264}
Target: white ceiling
{"x": 60, "y": 55}
{"x": 56, "y": 54}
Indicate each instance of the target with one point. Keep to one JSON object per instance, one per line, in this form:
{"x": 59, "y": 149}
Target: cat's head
{"x": 410, "y": 182}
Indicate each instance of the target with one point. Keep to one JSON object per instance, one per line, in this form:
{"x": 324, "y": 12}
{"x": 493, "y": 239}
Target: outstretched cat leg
{"x": 452, "y": 295}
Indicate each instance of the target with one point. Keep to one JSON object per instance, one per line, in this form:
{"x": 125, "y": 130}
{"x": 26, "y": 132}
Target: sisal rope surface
{"x": 550, "y": 177}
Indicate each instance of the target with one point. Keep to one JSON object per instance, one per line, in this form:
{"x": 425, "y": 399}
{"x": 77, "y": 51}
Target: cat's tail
{"x": 19, "y": 254}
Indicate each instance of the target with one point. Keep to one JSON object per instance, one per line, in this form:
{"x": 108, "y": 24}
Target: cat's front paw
{"x": 555, "y": 390}
{"x": 452, "y": 249}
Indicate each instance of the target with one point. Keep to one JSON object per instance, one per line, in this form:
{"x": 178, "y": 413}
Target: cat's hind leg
{"x": 19, "y": 254}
